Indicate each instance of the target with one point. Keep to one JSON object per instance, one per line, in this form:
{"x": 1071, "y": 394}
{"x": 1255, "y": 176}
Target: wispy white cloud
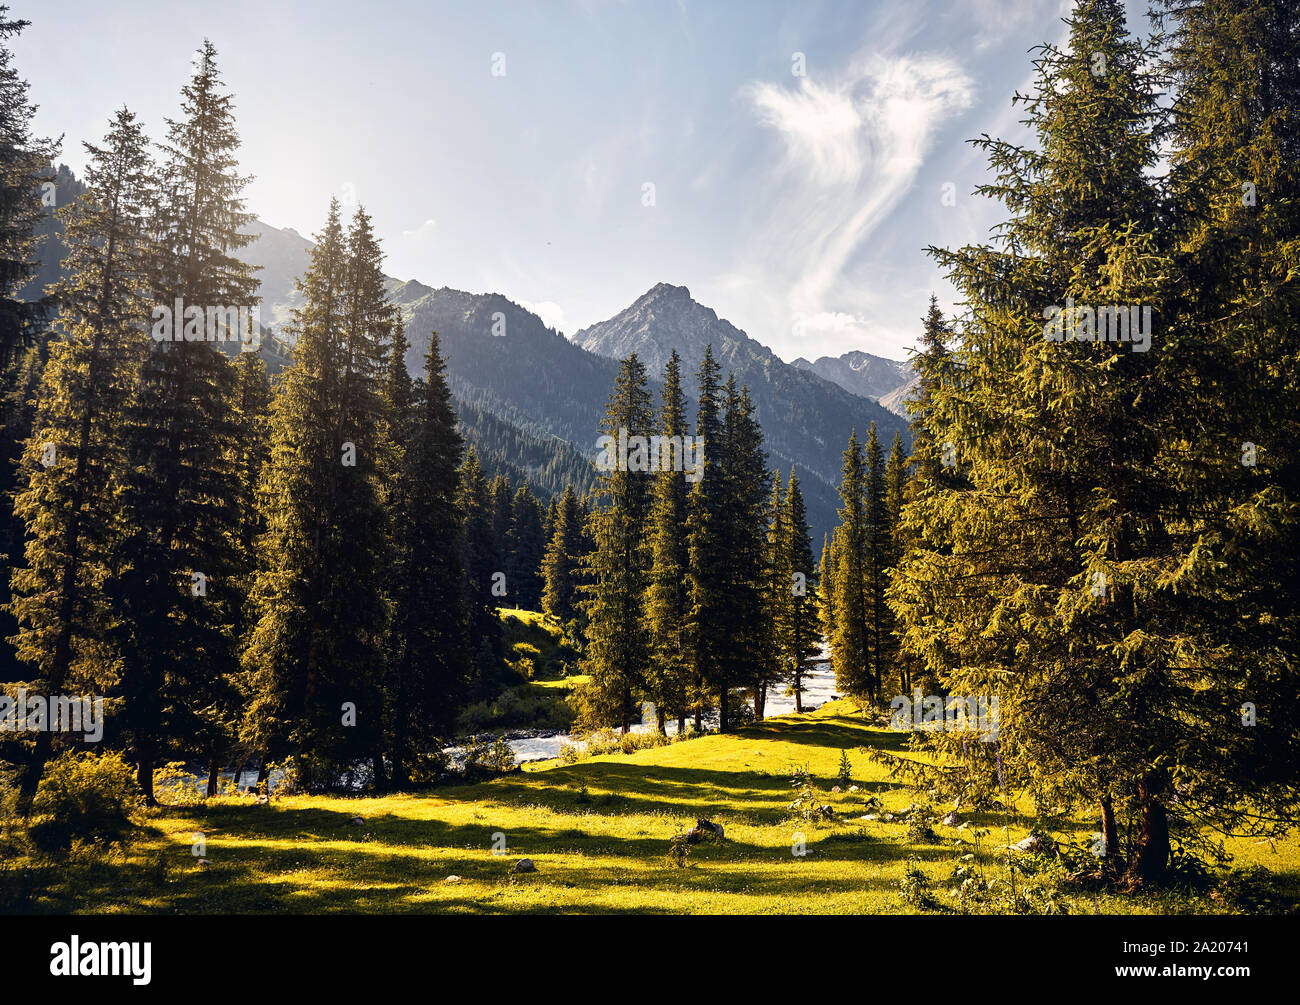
{"x": 423, "y": 230}
{"x": 852, "y": 149}
{"x": 551, "y": 313}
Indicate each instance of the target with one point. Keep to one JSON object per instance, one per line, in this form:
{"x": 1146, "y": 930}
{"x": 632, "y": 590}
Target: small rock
{"x": 889, "y": 818}
{"x": 967, "y": 857}
{"x": 836, "y": 788}
{"x": 452, "y": 879}
{"x": 1036, "y": 843}
{"x": 869, "y": 816}
{"x": 704, "y": 828}
{"x": 358, "y": 821}
{"x": 263, "y": 800}
{"x": 951, "y": 820}
{"x": 523, "y": 865}
{"x": 854, "y": 788}
{"x": 202, "y": 863}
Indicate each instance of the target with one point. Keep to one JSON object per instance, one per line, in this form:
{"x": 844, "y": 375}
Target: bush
{"x": 914, "y": 888}
{"x": 496, "y": 757}
{"x": 87, "y": 796}
{"x": 845, "y": 777}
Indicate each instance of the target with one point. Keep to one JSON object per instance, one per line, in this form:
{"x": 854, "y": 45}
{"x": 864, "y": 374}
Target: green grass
{"x": 509, "y": 701}
{"x": 598, "y": 832}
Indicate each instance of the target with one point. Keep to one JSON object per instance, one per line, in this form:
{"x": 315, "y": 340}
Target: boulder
{"x": 1037, "y": 843}
{"x": 704, "y": 829}
{"x": 523, "y": 865}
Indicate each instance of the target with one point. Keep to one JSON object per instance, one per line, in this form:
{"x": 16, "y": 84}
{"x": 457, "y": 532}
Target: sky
{"x": 786, "y": 161}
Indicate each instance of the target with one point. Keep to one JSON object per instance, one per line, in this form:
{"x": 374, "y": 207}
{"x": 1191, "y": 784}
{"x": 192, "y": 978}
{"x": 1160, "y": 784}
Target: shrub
{"x": 496, "y": 757}
{"x": 569, "y": 754}
{"x": 845, "y": 777}
{"x": 87, "y": 796}
{"x": 914, "y": 887}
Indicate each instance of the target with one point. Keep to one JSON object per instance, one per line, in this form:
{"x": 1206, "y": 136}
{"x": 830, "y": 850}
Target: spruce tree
{"x": 315, "y": 657}
{"x": 667, "y": 596}
{"x": 708, "y": 544}
{"x": 802, "y": 642}
{"x": 527, "y": 547}
{"x": 176, "y": 585}
{"x": 1048, "y": 576}
{"x": 564, "y": 555}
{"x": 501, "y": 495}
{"x": 850, "y": 638}
{"x": 617, "y": 657}
{"x": 25, "y": 179}
{"x": 75, "y": 458}
{"x": 879, "y": 547}
{"x": 482, "y": 562}
{"x": 428, "y": 650}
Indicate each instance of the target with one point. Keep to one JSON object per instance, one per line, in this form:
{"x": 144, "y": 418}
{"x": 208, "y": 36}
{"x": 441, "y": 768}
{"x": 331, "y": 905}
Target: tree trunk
{"x": 1109, "y": 832}
{"x": 798, "y": 691}
{"x": 144, "y": 777}
{"x": 1151, "y": 853}
{"x": 214, "y": 775}
{"x": 36, "y": 768}
{"x": 381, "y": 780}
{"x": 661, "y": 720}
{"x": 681, "y": 723}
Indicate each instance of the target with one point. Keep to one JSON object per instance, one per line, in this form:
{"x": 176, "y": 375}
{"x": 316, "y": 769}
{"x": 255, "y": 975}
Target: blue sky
{"x": 798, "y": 207}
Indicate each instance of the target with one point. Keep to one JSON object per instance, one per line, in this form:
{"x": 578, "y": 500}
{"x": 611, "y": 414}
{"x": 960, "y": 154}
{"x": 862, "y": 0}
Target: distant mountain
{"x": 50, "y": 249}
{"x": 897, "y": 399}
{"x": 529, "y": 375}
{"x": 806, "y": 418}
{"x": 860, "y": 373}
{"x": 530, "y": 400}
{"x": 283, "y": 255}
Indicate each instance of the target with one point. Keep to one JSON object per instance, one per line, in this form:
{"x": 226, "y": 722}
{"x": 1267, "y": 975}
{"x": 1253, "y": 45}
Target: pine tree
{"x": 24, "y": 182}
{"x": 501, "y": 495}
{"x": 481, "y": 560}
{"x": 75, "y": 457}
{"x": 780, "y": 586}
{"x": 933, "y": 368}
{"x": 176, "y": 585}
{"x": 707, "y": 543}
{"x": 429, "y": 645}
{"x": 801, "y": 643}
{"x": 548, "y": 522}
{"x": 617, "y": 656}
{"x": 879, "y": 550}
{"x": 564, "y": 555}
{"x": 527, "y": 547}
{"x": 825, "y": 592}
{"x": 1235, "y": 156}
{"x": 668, "y": 595}
{"x": 896, "y": 487}
{"x": 747, "y": 658}
{"x": 850, "y": 638}
{"x": 1050, "y": 577}
{"x": 315, "y": 657}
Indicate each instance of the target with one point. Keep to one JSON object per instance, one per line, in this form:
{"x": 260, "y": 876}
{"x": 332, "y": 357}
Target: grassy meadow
{"x": 599, "y": 833}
